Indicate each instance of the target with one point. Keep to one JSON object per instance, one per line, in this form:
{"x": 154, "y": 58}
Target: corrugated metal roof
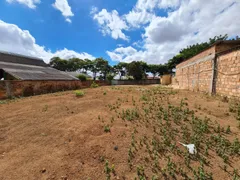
{"x": 21, "y": 59}
{"x": 30, "y": 72}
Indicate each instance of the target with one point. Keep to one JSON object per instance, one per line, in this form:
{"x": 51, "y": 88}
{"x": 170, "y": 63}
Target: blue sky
{"x": 148, "y": 30}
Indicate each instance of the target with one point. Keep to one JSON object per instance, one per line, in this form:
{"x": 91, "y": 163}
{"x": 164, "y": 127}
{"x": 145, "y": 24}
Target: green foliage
{"x": 130, "y": 114}
{"x": 73, "y": 64}
{"x": 94, "y": 85}
{"x": 82, "y": 77}
{"x": 107, "y": 128}
{"x": 79, "y": 93}
{"x": 157, "y": 69}
{"x": 140, "y": 173}
{"x": 135, "y": 69}
{"x": 192, "y": 50}
{"x": 228, "y": 131}
{"x": 110, "y": 76}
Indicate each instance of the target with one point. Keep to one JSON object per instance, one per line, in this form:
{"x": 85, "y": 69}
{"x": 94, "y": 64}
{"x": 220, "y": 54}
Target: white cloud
{"x": 111, "y": 24}
{"x": 135, "y": 18}
{"x": 188, "y": 22}
{"x": 94, "y": 10}
{"x": 168, "y": 3}
{"x": 29, "y": 3}
{"x": 64, "y": 8}
{"x": 14, "y": 39}
{"x": 67, "y": 54}
{"x": 143, "y": 11}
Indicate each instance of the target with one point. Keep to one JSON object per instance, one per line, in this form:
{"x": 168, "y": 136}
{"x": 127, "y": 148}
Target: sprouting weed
{"x": 130, "y": 114}
{"x": 107, "y": 170}
{"x": 140, "y": 173}
{"x": 235, "y": 146}
{"x": 106, "y": 128}
{"x": 235, "y": 174}
{"x": 171, "y": 167}
{"x": 201, "y": 174}
{"x": 228, "y": 131}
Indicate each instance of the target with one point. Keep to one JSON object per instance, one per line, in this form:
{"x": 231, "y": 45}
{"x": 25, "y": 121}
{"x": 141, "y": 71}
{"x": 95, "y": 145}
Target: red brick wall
{"x": 195, "y": 73}
{"x": 29, "y": 88}
{"x": 205, "y": 53}
{"x": 228, "y": 74}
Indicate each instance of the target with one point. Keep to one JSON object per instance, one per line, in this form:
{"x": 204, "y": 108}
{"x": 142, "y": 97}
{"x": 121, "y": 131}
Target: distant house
{"x": 19, "y": 67}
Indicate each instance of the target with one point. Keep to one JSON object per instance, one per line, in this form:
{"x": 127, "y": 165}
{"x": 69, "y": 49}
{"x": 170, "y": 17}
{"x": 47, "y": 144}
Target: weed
{"x": 130, "y": 114}
{"x": 235, "y": 174}
{"x": 228, "y": 131}
{"x": 140, "y": 173}
{"x": 94, "y": 85}
{"x": 79, "y": 93}
{"x": 107, "y": 170}
{"x": 201, "y": 174}
{"x": 106, "y": 128}
{"x": 3, "y": 102}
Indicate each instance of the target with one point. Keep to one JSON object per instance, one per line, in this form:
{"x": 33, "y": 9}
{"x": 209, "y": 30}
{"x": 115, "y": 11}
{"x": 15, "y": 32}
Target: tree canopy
{"x": 136, "y": 69}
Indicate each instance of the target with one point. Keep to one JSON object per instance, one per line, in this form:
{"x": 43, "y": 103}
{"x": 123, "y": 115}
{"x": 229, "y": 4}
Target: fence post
{"x": 212, "y": 89}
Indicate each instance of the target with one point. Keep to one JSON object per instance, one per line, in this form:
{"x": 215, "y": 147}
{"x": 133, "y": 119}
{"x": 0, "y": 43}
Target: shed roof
{"x": 27, "y": 68}
{"x": 20, "y": 59}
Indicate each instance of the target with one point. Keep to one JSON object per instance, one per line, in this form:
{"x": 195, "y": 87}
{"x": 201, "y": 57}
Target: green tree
{"x": 87, "y": 64}
{"x": 163, "y": 69}
{"x": 102, "y": 67}
{"x": 59, "y": 64}
{"x": 135, "y": 69}
{"x": 75, "y": 64}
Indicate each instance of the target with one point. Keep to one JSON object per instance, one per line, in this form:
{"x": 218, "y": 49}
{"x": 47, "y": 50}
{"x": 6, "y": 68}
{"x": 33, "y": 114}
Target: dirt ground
{"x": 61, "y": 136}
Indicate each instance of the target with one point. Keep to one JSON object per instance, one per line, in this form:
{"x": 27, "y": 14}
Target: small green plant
{"x": 235, "y": 174}
{"x": 79, "y": 93}
{"x": 107, "y": 128}
{"x": 228, "y": 131}
{"x": 104, "y": 93}
{"x": 3, "y": 102}
{"x": 107, "y": 170}
{"x": 140, "y": 173}
{"x": 94, "y": 85}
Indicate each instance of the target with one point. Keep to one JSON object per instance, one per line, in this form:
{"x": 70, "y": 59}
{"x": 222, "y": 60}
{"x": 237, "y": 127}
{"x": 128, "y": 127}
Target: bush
{"x": 82, "y": 77}
{"x": 79, "y": 93}
{"x": 94, "y": 85}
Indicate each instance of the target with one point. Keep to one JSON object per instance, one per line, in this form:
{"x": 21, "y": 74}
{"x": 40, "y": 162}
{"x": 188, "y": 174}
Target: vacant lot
{"x": 121, "y": 132}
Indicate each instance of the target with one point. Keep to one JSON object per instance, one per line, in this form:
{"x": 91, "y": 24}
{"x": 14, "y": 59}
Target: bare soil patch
{"x": 120, "y": 132}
